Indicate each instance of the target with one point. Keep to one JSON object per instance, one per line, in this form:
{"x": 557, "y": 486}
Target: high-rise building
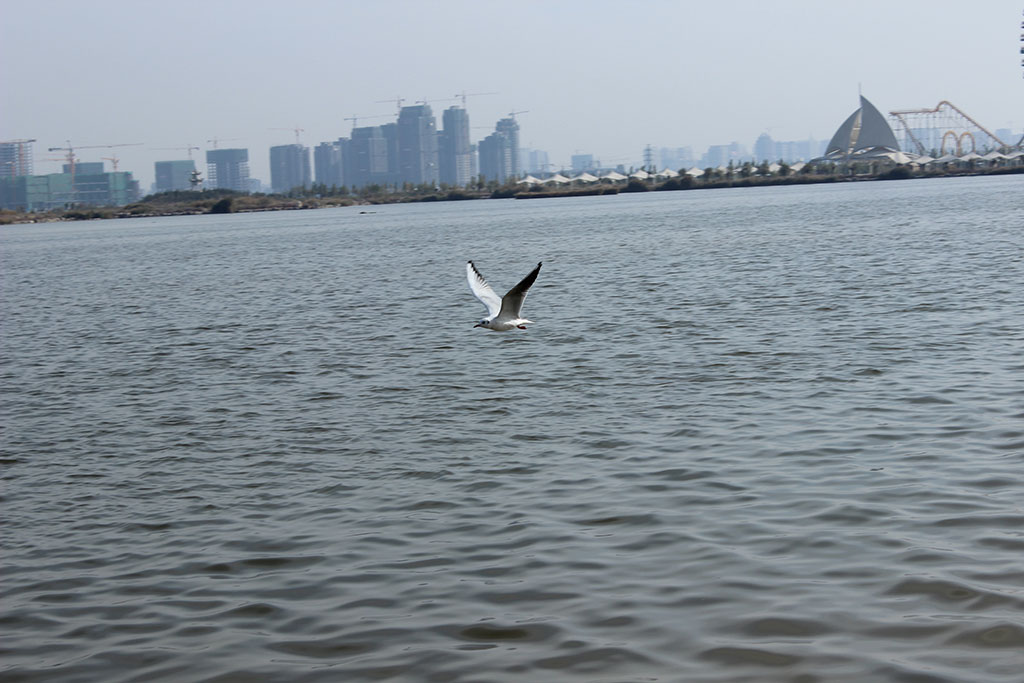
{"x": 583, "y": 162}
{"x": 174, "y": 175}
{"x": 499, "y": 152}
{"x": 496, "y": 157}
{"x": 534, "y": 160}
{"x": 373, "y": 155}
{"x": 676, "y": 158}
{"x": 455, "y": 152}
{"x": 329, "y": 162}
{"x": 389, "y": 131}
{"x": 799, "y": 150}
{"x": 289, "y": 167}
{"x": 228, "y": 169}
{"x": 721, "y": 155}
{"x": 15, "y": 158}
{"x": 510, "y": 128}
{"x": 417, "y": 146}
{"x": 764, "y": 148}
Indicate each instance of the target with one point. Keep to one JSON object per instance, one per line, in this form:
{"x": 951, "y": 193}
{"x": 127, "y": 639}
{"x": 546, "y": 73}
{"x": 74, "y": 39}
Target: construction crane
{"x": 355, "y": 119}
{"x": 398, "y": 102}
{"x": 216, "y": 140}
{"x": 61, "y": 160}
{"x": 463, "y": 95}
{"x": 297, "y": 131}
{"x": 72, "y": 160}
{"x": 188, "y": 147}
{"x": 114, "y": 159}
{"x": 436, "y": 99}
{"x": 512, "y": 114}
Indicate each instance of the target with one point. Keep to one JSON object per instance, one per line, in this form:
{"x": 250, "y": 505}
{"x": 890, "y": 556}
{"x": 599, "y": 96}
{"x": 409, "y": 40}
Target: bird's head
{"x": 482, "y": 323}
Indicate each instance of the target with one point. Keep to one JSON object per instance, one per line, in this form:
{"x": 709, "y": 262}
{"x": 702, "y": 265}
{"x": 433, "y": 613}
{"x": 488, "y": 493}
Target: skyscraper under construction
{"x": 289, "y": 167}
{"x": 228, "y": 168}
{"x": 417, "y": 146}
{"x": 455, "y": 151}
{"x": 15, "y": 158}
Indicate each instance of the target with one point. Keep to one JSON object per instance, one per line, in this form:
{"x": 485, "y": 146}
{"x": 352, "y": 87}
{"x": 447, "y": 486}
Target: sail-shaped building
{"x": 864, "y": 135}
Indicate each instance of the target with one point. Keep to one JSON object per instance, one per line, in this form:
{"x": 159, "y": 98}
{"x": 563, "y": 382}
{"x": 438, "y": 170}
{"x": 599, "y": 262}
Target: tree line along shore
{"x": 190, "y": 202}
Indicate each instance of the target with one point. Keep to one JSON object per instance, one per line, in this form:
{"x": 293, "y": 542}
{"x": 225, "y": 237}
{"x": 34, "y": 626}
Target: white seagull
{"x": 503, "y": 313}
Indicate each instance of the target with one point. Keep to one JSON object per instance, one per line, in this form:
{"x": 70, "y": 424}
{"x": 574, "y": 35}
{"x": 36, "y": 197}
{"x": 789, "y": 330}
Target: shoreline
{"x": 186, "y": 203}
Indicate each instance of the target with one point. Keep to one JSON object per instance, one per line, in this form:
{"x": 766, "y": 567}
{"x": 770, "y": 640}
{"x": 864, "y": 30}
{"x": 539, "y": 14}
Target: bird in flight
{"x": 502, "y": 313}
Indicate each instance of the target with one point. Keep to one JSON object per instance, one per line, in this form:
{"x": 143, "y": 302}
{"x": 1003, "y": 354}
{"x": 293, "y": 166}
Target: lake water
{"x": 766, "y": 434}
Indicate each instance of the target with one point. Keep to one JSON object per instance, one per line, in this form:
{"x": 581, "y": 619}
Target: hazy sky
{"x": 600, "y": 77}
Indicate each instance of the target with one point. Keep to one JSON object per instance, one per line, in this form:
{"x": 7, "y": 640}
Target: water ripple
{"x": 757, "y": 435}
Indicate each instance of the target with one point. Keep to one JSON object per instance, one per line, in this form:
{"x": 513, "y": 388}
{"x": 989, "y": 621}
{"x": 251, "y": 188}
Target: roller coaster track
{"x": 949, "y": 111}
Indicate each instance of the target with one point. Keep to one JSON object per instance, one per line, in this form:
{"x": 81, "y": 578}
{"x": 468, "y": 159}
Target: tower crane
{"x": 512, "y": 114}
{"x": 436, "y": 99}
{"x": 72, "y": 160}
{"x": 188, "y": 147}
{"x": 398, "y": 102}
{"x": 297, "y": 131}
{"x": 214, "y": 141}
{"x": 463, "y": 95}
{"x": 355, "y": 119}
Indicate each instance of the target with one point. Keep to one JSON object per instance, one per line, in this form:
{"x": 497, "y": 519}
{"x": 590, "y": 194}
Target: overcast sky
{"x": 600, "y": 77}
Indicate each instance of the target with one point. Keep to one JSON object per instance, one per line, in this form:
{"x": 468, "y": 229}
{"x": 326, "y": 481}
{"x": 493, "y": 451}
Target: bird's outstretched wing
{"x": 481, "y": 290}
{"x": 512, "y": 302}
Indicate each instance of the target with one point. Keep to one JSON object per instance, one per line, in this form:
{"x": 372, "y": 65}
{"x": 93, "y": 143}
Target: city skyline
{"x": 669, "y": 75}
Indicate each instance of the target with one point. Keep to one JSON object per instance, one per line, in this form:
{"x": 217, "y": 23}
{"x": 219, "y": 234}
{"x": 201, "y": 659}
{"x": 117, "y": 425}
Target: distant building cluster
{"x": 78, "y": 183}
{"x": 409, "y": 152}
{"x": 863, "y": 144}
{"x": 765, "y": 149}
{"x": 412, "y": 151}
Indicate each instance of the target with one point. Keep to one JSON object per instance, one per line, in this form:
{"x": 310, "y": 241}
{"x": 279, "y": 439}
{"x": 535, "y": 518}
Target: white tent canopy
{"x": 695, "y": 172}
{"x": 898, "y": 157}
{"x": 529, "y": 180}
{"x": 640, "y": 175}
{"x": 557, "y": 179}
{"x": 613, "y": 176}
{"x": 585, "y": 178}
{"x": 666, "y": 173}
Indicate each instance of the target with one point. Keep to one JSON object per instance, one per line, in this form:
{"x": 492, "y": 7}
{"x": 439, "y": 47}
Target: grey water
{"x": 761, "y": 434}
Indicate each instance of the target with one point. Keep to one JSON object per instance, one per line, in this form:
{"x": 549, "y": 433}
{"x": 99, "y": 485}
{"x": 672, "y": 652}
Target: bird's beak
{"x": 477, "y": 325}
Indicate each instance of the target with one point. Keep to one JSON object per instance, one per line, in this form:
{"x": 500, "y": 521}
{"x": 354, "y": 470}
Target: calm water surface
{"x": 770, "y": 434}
